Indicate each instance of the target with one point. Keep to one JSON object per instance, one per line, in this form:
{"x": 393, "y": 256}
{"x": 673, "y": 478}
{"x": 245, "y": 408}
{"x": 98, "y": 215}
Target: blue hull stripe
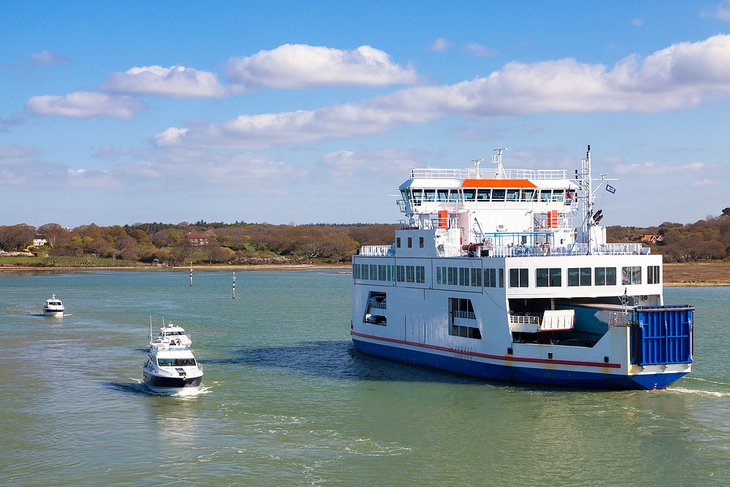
{"x": 515, "y": 373}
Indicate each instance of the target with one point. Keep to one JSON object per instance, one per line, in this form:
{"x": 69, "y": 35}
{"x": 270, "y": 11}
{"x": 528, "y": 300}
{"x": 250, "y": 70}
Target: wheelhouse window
{"x": 469, "y": 194}
{"x": 429, "y": 195}
{"x": 528, "y": 195}
{"x": 490, "y": 277}
{"x": 417, "y": 197}
{"x": 498, "y": 194}
{"x": 442, "y": 195}
{"x": 483, "y": 194}
{"x": 176, "y": 362}
{"x": 513, "y": 195}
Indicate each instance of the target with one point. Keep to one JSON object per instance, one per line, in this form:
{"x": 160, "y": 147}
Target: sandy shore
{"x": 686, "y": 274}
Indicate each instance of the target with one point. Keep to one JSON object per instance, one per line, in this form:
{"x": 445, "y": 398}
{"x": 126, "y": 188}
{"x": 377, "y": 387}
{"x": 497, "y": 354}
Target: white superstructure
{"x": 506, "y": 274}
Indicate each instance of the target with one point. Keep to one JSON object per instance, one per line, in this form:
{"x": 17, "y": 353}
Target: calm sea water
{"x": 288, "y": 402}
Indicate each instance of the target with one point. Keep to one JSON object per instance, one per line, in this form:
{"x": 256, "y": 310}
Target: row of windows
{"x": 519, "y": 277}
{"x": 463, "y": 276}
{"x": 410, "y": 242}
{"x": 388, "y": 273}
{"x": 582, "y": 276}
{"x": 420, "y": 196}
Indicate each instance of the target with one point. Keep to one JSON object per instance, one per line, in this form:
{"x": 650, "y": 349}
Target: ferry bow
{"x": 506, "y": 274}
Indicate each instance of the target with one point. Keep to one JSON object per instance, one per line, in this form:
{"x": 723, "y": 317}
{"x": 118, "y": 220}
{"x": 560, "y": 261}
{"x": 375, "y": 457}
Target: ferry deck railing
{"x": 474, "y": 173}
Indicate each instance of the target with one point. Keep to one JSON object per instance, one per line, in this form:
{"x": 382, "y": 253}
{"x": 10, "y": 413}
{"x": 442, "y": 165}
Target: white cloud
{"x": 85, "y": 104}
{"x": 298, "y": 66}
{"x": 682, "y": 75}
{"x": 722, "y": 12}
{"x": 480, "y": 50}
{"x": 440, "y": 45}
{"x": 46, "y": 58}
{"x": 176, "y": 81}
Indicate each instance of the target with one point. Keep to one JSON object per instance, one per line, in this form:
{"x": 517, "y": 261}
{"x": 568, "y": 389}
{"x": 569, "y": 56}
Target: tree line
{"x": 201, "y": 242}
{"x": 259, "y": 243}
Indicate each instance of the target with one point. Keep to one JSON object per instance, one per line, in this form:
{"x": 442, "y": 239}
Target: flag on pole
{"x": 610, "y": 189}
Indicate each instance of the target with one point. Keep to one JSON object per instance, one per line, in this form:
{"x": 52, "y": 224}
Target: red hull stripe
{"x": 506, "y": 358}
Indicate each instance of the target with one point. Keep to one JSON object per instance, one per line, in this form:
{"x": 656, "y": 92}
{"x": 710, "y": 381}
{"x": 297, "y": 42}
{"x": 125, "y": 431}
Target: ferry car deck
{"x": 507, "y": 275}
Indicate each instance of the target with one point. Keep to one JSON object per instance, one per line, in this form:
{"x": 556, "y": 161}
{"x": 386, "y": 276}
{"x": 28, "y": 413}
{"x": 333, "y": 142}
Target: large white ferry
{"x": 506, "y": 274}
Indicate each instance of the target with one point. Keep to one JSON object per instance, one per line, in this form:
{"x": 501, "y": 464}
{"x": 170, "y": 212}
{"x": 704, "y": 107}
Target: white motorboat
{"x": 171, "y": 368}
{"x": 53, "y": 306}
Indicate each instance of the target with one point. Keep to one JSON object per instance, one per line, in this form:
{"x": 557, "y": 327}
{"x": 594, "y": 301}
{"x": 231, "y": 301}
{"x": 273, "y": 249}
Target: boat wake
{"x": 699, "y": 392}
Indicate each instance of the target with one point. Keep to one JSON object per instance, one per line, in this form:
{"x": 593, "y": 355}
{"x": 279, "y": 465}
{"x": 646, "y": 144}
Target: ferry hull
{"x": 514, "y": 373}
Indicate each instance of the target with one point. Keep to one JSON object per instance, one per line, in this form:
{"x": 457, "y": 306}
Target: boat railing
{"x": 375, "y": 250}
{"x": 574, "y": 249}
{"x": 524, "y": 319}
{"x": 474, "y": 173}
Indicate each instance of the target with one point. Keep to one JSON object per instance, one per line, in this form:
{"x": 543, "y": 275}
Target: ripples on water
{"x": 286, "y": 400}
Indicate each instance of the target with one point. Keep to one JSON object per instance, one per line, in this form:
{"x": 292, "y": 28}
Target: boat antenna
{"x": 476, "y": 163}
{"x": 497, "y": 159}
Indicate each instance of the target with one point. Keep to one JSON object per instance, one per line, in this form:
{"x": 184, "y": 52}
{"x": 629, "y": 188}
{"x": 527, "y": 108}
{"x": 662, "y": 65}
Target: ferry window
{"x": 400, "y": 272}
{"x": 364, "y": 268}
{"x": 570, "y": 197}
{"x": 545, "y": 195}
{"x": 420, "y": 274}
{"x": 498, "y": 195}
{"x": 406, "y": 194}
{"x": 631, "y": 275}
{"x": 652, "y": 274}
{"x": 454, "y": 195}
{"x": 429, "y": 195}
{"x": 442, "y": 195}
{"x": 579, "y": 276}
{"x": 548, "y": 277}
{"x": 490, "y": 277}
{"x": 397, "y": 242}
{"x": 356, "y": 271}
{"x": 373, "y": 272}
{"x": 390, "y": 273}
{"x": 513, "y": 194}
{"x": 528, "y": 194}
{"x": 462, "y": 319}
{"x": 410, "y": 242}
{"x": 420, "y": 242}
{"x": 438, "y": 275}
{"x": 410, "y": 274}
{"x": 518, "y": 277}
{"x": 470, "y": 194}
{"x": 463, "y": 276}
{"x": 483, "y": 194}
{"x": 605, "y": 276}
{"x": 453, "y": 279}
{"x": 381, "y": 272}
{"x": 417, "y": 196}
{"x": 476, "y": 277}
{"x": 558, "y": 195}
{"x": 501, "y": 278}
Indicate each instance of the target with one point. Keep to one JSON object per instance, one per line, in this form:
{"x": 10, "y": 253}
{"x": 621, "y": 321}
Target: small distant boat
{"x": 53, "y": 306}
{"x": 171, "y": 367}
{"x": 175, "y": 334}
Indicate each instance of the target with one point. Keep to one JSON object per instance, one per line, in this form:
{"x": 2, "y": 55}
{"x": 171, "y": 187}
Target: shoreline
{"x": 695, "y": 274}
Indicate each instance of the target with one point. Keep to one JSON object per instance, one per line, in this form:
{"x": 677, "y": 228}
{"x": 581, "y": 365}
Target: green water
{"x": 288, "y": 402}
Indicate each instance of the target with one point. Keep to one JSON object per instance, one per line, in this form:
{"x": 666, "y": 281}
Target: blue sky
{"x": 313, "y": 112}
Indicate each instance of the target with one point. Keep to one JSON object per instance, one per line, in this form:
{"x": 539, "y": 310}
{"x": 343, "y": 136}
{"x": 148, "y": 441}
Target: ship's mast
{"x": 497, "y": 159}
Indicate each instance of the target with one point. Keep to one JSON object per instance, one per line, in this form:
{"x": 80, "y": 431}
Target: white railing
{"x": 575, "y": 249}
{"x": 524, "y": 319}
{"x": 426, "y": 173}
{"x": 375, "y": 250}
{"x": 465, "y": 315}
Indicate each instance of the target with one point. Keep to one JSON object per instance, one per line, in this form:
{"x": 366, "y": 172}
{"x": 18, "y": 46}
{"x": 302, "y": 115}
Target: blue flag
{"x": 610, "y": 189}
